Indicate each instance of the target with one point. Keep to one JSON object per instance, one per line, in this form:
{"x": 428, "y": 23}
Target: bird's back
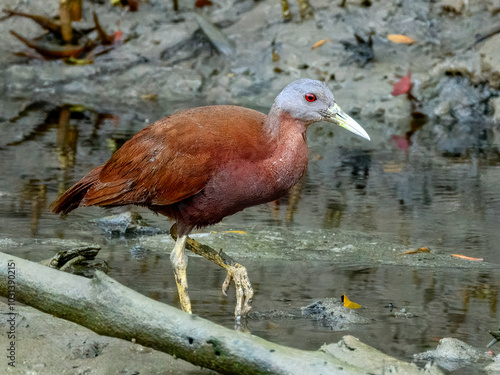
{"x": 172, "y": 159}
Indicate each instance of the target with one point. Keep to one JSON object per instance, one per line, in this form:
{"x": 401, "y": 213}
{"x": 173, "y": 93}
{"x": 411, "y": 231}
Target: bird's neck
{"x": 280, "y": 123}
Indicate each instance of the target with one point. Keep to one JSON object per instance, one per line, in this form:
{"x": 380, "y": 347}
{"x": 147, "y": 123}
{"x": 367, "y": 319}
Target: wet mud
{"x": 429, "y": 177}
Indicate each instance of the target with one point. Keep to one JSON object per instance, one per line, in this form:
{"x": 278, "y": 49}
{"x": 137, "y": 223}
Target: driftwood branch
{"x": 66, "y": 258}
{"x": 109, "y": 308}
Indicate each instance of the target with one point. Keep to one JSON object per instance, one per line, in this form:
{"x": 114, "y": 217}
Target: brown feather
{"x": 72, "y": 198}
{"x": 172, "y": 159}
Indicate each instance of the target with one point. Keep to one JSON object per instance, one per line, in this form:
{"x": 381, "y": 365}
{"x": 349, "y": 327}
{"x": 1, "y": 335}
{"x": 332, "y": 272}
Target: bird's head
{"x": 311, "y": 101}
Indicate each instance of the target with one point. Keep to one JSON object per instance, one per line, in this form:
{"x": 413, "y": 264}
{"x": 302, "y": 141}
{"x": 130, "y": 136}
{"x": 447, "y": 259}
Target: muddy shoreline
{"x": 168, "y": 63}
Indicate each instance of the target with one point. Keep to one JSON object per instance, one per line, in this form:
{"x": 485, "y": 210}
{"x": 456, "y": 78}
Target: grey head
{"x": 311, "y": 101}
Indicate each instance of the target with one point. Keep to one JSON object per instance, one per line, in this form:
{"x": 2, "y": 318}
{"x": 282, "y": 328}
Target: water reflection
{"x": 438, "y": 303}
{"x": 34, "y": 195}
{"x": 32, "y": 148}
{"x": 67, "y": 138}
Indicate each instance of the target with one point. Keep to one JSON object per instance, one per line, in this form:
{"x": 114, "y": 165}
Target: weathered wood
{"x": 109, "y": 308}
{"x": 65, "y": 17}
{"x": 61, "y": 259}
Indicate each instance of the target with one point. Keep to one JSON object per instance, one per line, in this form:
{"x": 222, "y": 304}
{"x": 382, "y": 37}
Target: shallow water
{"x": 408, "y": 198}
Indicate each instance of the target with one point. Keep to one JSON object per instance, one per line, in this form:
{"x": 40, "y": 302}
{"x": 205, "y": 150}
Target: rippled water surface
{"x": 407, "y": 196}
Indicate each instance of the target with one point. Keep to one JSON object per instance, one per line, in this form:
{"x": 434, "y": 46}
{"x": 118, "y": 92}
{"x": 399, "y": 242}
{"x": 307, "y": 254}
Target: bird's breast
{"x": 244, "y": 183}
{"x": 241, "y": 182}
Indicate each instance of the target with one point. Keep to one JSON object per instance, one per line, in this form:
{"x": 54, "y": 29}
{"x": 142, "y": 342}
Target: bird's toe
{"x": 244, "y": 290}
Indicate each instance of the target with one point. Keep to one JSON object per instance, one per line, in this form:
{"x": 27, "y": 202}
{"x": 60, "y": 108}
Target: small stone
{"x": 452, "y": 353}
{"x": 490, "y": 60}
{"x": 494, "y": 7}
{"x": 358, "y": 77}
{"x": 495, "y": 104}
{"x": 452, "y": 7}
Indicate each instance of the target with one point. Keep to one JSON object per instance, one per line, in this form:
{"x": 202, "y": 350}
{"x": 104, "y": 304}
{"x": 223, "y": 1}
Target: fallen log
{"x": 109, "y": 308}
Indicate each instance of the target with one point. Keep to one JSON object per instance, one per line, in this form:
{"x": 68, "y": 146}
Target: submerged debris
{"x": 362, "y": 50}
{"x": 403, "y": 313}
{"x": 130, "y": 223}
{"x": 271, "y": 315}
{"x": 216, "y": 37}
{"x": 332, "y": 313}
{"x": 496, "y": 337}
{"x": 79, "y": 261}
{"x": 452, "y": 354}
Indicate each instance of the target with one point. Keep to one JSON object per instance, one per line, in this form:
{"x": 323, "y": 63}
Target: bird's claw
{"x": 226, "y": 283}
{"x": 244, "y": 290}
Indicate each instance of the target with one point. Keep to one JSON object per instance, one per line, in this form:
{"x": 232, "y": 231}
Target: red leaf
{"x": 402, "y": 86}
{"x": 117, "y": 36}
{"x": 202, "y": 3}
{"x": 401, "y": 142}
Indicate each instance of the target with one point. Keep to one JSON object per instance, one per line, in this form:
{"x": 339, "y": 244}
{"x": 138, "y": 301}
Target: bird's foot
{"x": 244, "y": 290}
{"x": 235, "y": 271}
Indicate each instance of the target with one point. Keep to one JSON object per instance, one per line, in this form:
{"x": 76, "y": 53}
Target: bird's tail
{"x": 72, "y": 198}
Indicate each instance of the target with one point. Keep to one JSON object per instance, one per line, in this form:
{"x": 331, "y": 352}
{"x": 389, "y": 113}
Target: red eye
{"x": 310, "y": 97}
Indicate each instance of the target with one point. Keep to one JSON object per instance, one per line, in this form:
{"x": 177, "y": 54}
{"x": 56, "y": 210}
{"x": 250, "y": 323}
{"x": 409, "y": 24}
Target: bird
{"x": 199, "y": 165}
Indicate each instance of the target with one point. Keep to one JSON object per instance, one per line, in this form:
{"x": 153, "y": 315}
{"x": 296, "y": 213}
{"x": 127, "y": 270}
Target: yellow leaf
{"x": 349, "y": 304}
{"x": 77, "y": 108}
{"x": 398, "y": 38}
{"x": 75, "y": 61}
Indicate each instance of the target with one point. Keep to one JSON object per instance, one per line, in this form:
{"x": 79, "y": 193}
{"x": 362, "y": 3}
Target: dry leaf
{"x": 202, "y": 3}
{"x": 419, "y": 250}
{"x": 466, "y": 257}
{"x": 398, "y": 38}
{"x": 275, "y": 55}
{"x": 75, "y": 61}
{"x": 349, "y": 304}
{"x": 319, "y": 43}
{"x": 230, "y": 231}
{"x": 402, "y": 86}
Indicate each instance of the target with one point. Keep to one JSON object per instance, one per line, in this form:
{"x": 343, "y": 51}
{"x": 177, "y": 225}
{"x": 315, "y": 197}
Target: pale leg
{"x": 235, "y": 272}
{"x": 179, "y": 261}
